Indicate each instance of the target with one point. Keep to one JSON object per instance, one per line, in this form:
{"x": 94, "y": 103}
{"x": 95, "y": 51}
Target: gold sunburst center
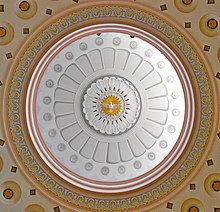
{"x": 111, "y": 105}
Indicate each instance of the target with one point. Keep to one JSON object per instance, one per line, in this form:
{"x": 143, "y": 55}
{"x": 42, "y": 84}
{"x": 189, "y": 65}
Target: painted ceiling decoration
{"x": 110, "y": 106}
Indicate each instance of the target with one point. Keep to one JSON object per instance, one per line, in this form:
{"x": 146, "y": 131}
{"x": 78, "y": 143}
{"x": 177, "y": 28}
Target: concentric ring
{"x": 69, "y": 128}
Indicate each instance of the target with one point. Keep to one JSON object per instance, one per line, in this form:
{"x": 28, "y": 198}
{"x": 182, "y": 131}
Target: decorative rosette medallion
{"x": 111, "y": 105}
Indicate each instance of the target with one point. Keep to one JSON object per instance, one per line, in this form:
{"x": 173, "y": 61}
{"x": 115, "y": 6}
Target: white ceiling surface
{"x": 76, "y": 143}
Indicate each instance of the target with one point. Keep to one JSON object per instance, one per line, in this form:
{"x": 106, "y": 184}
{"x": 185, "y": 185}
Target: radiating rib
{"x": 152, "y": 128}
{"x": 158, "y": 104}
{"x": 89, "y": 148}
{"x": 146, "y": 139}
{"x": 121, "y": 59}
{"x": 159, "y": 117}
{"x": 125, "y": 151}
{"x": 113, "y": 153}
{"x": 66, "y": 120}
{"x": 101, "y": 152}
{"x": 75, "y": 73}
{"x": 63, "y": 108}
{"x": 108, "y": 55}
{"x": 85, "y": 65}
{"x": 96, "y": 59}
{"x": 136, "y": 146}
{"x": 71, "y": 131}
{"x": 157, "y": 91}
{"x": 78, "y": 141}
{"x": 152, "y": 80}
{"x": 133, "y": 63}
{"x": 67, "y": 83}
{"x": 143, "y": 71}
{"x": 64, "y": 95}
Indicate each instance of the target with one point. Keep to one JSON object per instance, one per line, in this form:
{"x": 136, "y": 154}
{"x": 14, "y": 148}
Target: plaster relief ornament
{"x": 108, "y": 109}
{"x": 111, "y": 105}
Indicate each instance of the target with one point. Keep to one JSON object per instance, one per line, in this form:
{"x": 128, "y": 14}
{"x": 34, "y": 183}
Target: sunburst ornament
{"x": 111, "y": 105}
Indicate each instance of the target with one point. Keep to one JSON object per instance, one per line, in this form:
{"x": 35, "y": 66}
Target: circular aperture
{"x": 212, "y": 23}
{"x": 187, "y": 2}
{"x": 216, "y": 185}
{"x": 2, "y": 32}
{"x": 193, "y": 209}
{"x": 24, "y": 6}
{"x": 8, "y": 193}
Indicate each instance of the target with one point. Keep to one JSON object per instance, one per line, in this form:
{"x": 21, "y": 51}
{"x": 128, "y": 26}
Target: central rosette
{"x": 111, "y": 105}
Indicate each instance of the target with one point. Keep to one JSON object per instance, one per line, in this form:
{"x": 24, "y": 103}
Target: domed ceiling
{"x": 110, "y": 105}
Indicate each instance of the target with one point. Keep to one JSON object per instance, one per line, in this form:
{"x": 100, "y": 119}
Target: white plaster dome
{"x": 108, "y": 108}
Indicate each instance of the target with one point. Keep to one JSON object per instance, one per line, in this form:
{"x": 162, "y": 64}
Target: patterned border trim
{"x": 134, "y": 15}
